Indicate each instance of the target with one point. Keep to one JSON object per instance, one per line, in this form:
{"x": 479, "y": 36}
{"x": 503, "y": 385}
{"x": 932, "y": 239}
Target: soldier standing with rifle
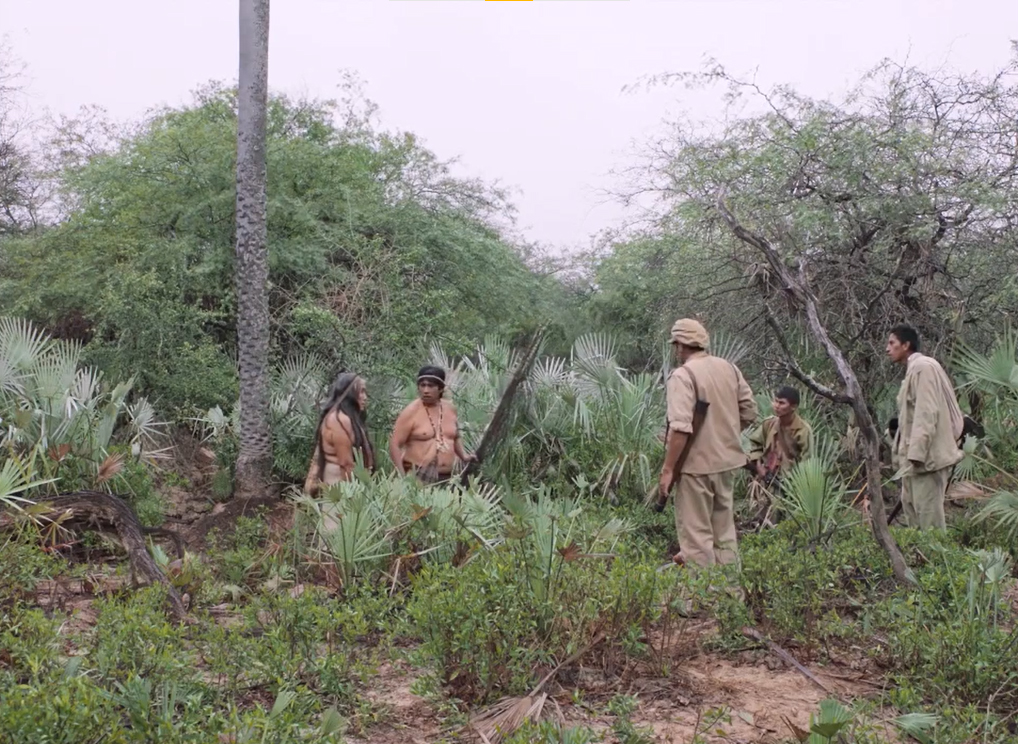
{"x": 709, "y": 404}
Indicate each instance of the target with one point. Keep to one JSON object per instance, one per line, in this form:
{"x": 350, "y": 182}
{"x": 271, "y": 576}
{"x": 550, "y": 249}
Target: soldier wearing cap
{"x": 704, "y": 510}
{"x": 426, "y": 437}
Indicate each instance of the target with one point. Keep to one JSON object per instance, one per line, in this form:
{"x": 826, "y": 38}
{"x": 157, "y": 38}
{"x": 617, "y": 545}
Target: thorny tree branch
{"x": 795, "y": 370}
{"x": 798, "y": 293}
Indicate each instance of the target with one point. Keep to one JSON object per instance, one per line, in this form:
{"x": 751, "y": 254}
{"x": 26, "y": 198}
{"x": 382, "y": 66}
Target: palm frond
{"x": 729, "y": 347}
{"x": 21, "y": 344}
{"x": 17, "y": 476}
{"x": 995, "y": 371}
{"x": 813, "y": 498}
{"x": 1002, "y": 508}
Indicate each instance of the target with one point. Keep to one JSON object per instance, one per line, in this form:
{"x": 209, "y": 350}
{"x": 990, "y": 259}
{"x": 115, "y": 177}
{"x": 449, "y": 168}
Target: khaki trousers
{"x": 922, "y": 498}
{"x": 705, "y": 519}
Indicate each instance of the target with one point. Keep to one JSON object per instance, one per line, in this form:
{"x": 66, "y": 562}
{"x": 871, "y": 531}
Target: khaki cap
{"x": 689, "y": 332}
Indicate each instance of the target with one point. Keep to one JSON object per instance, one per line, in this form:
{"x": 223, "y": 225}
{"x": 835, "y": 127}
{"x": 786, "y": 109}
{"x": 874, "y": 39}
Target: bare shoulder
{"x": 337, "y": 423}
{"x": 410, "y": 409}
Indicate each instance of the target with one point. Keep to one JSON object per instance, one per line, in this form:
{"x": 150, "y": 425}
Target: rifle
{"x": 699, "y": 415}
{"x": 496, "y": 426}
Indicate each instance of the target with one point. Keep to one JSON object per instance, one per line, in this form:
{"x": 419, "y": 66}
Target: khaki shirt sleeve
{"x": 681, "y": 401}
{"x": 924, "y": 417}
{"x": 747, "y": 403}
{"x": 756, "y": 444}
{"x": 805, "y": 441}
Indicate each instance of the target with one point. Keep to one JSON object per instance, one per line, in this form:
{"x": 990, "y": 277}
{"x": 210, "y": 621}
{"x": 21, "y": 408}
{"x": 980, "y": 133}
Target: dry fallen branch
{"x": 95, "y": 508}
{"x": 756, "y": 635}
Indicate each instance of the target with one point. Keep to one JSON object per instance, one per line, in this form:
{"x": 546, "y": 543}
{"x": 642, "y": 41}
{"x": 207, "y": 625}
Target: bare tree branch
{"x": 793, "y": 368}
{"x": 797, "y": 291}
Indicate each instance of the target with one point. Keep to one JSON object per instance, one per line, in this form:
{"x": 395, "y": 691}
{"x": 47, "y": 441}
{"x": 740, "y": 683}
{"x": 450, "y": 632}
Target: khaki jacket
{"x": 929, "y": 419}
{"x": 796, "y": 441}
{"x": 718, "y": 447}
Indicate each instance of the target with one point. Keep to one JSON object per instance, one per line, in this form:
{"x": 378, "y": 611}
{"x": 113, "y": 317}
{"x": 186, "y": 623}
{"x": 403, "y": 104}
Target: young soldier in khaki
{"x": 781, "y": 440}
{"x": 704, "y": 516}
{"x": 929, "y": 426}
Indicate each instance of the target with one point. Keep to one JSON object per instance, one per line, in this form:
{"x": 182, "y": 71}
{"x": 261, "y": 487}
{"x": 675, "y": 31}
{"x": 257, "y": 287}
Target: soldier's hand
{"x": 659, "y": 506}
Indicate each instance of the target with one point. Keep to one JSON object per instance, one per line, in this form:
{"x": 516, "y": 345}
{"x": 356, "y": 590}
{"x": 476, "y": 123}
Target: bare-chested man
{"x": 426, "y": 438}
{"x": 341, "y": 435}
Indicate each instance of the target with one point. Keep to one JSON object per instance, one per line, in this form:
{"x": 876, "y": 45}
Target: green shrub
{"x": 24, "y": 563}
{"x": 549, "y": 732}
{"x": 489, "y": 631}
{"x": 133, "y": 638}
{"x": 30, "y": 644}
{"x": 65, "y": 710}
{"x": 808, "y": 593}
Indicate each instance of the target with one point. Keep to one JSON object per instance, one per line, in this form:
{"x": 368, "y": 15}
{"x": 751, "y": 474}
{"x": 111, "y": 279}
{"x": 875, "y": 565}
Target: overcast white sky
{"x": 527, "y": 93}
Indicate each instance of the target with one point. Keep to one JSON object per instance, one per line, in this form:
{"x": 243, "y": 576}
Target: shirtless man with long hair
{"x": 426, "y": 438}
{"x": 341, "y": 434}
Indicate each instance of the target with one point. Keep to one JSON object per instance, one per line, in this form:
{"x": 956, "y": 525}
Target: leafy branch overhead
{"x": 902, "y": 197}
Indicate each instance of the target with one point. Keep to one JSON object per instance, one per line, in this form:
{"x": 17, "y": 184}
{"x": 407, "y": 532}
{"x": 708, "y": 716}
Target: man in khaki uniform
{"x": 929, "y": 425}
{"x": 704, "y": 515}
{"x": 781, "y": 440}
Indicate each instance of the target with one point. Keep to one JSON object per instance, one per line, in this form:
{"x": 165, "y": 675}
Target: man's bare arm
{"x": 676, "y": 443}
{"x": 457, "y": 444}
{"x": 400, "y": 436}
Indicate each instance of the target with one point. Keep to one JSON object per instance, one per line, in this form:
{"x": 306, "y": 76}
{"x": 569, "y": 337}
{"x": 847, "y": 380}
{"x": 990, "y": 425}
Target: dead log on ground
{"x": 88, "y": 509}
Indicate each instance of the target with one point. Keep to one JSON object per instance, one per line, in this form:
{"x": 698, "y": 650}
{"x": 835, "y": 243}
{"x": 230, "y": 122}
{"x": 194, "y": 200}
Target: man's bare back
{"x": 336, "y": 446}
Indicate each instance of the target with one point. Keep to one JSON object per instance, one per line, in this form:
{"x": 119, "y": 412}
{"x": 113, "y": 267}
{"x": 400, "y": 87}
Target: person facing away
{"x": 341, "y": 435}
{"x": 426, "y": 438}
{"x": 930, "y": 423}
{"x": 781, "y": 440}
{"x": 704, "y": 509}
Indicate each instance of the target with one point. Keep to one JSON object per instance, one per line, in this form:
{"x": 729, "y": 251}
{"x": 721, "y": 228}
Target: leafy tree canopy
{"x": 374, "y": 246}
{"x": 897, "y": 203}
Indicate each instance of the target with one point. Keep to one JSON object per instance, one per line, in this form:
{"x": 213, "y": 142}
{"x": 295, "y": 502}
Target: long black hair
{"x": 342, "y": 398}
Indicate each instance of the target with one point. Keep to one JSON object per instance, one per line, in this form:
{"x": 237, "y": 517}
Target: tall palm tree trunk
{"x": 252, "y": 270}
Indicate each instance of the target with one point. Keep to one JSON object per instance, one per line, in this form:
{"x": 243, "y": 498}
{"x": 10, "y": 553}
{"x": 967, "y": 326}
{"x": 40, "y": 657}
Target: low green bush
{"x": 490, "y": 633}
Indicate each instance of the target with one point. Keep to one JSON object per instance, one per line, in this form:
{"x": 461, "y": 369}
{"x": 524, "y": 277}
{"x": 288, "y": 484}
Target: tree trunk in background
{"x": 254, "y": 461}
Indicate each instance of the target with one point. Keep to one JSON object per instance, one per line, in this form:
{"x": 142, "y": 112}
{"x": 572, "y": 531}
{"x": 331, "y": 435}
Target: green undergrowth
{"x": 278, "y": 652}
{"x": 284, "y": 663}
{"x": 948, "y": 642}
